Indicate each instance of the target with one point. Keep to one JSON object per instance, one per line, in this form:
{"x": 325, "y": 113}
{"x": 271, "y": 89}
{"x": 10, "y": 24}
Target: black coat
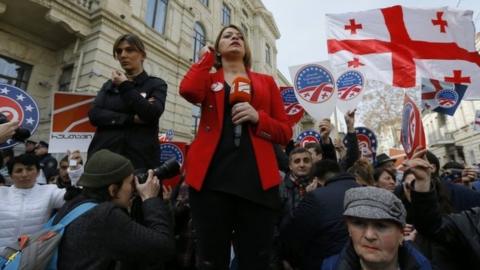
{"x": 106, "y": 235}
{"x": 49, "y": 166}
{"x": 113, "y": 113}
{"x": 459, "y": 233}
{"x": 317, "y": 229}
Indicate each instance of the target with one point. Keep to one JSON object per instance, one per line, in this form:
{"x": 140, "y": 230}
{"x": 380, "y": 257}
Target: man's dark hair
{"x": 325, "y": 169}
{"x": 64, "y": 159}
{"x": 25, "y": 159}
{"x": 315, "y": 146}
{"x": 297, "y": 150}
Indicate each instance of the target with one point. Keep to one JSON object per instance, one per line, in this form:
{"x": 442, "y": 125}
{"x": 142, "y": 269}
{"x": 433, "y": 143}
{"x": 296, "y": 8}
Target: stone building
{"x": 453, "y": 137}
{"x": 66, "y": 45}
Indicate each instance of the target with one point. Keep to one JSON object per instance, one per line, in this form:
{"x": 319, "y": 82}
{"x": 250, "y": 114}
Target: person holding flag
{"x": 231, "y": 167}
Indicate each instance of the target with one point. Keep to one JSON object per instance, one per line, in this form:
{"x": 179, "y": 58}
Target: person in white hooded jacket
{"x": 26, "y": 206}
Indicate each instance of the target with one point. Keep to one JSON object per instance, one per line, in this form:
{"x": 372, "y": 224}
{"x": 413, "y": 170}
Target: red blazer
{"x": 199, "y": 86}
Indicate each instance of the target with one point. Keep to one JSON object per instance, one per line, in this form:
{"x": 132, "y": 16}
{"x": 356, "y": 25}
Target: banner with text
{"x": 70, "y": 129}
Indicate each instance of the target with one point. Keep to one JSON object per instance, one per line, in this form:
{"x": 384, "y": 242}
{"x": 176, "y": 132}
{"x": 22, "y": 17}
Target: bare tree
{"x": 381, "y": 109}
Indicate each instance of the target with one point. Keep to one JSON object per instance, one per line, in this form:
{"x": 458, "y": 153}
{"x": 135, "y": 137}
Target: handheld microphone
{"x": 240, "y": 92}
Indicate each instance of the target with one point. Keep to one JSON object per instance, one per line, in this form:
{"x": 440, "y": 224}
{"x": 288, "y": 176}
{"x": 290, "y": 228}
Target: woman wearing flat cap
{"x": 105, "y": 236}
{"x": 375, "y": 220}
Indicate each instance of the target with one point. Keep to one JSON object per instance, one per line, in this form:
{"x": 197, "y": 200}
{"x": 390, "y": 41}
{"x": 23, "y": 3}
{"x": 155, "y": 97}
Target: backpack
{"x": 40, "y": 250}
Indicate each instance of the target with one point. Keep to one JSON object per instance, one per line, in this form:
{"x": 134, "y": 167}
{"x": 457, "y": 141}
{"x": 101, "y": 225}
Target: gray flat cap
{"x": 374, "y": 203}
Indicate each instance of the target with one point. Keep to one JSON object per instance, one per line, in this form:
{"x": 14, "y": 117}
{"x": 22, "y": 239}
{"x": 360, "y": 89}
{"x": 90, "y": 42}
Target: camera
{"x": 21, "y": 134}
{"x": 168, "y": 169}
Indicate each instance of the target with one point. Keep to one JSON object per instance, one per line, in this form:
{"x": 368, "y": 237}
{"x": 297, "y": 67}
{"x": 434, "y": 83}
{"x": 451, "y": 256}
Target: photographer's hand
{"x": 7, "y": 130}
{"x": 150, "y": 188}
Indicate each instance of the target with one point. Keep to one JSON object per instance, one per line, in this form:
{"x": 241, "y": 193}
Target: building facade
{"x": 66, "y": 45}
{"x": 453, "y": 137}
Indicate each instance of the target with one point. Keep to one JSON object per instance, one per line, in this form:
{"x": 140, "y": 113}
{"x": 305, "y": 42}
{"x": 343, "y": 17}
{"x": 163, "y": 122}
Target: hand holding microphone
{"x": 242, "y": 111}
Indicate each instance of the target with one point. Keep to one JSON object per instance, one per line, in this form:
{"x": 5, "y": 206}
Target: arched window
{"x": 198, "y": 40}
{"x": 156, "y": 14}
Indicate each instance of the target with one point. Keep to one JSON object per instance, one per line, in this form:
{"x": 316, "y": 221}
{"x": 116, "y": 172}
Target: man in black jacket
{"x": 459, "y": 233}
{"x": 127, "y": 109}
{"x": 317, "y": 229}
{"x": 48, "y": 163}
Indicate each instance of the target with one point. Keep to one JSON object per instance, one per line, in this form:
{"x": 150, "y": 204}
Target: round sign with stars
{"x": 447, "y": 98}
{"x": 309, "y": 136}
{"x": 293, "y": 109}
{"x": 367, "y": 143}
{"x": 17, "y": 105}
{"x": 169, "y": 150}
{"x": 350, "y": 84}
{"x": 314, "y": 84}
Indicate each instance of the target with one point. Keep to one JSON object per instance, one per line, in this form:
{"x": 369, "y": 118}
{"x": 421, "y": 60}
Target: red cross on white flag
{"x": 399, "y": 46}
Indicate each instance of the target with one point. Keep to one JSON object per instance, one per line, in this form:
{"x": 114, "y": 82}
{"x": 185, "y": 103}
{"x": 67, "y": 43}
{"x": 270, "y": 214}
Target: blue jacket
{"x": 408, "y": 259}
{"x": 317, "y": 228}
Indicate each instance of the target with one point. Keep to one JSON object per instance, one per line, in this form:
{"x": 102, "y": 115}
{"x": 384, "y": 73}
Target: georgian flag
{"x": 442, "y": 97}
{"x": 399, "y": 46}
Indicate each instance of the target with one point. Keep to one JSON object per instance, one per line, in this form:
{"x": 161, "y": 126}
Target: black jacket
{"x": 459, "y": 233}
{"x": 49, "y": 166}
{"x": 317, "y": 229}
{"x": 353, "y": 153}
{"x": 105, "y": 236}
{"x": 113, "y": 113}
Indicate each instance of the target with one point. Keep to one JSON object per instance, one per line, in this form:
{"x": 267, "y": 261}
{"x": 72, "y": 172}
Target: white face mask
{"x": 74, "y": 175}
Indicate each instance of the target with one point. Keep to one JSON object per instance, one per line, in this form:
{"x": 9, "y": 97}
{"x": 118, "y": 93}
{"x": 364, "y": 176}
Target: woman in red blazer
{"x": 234, "y": 184}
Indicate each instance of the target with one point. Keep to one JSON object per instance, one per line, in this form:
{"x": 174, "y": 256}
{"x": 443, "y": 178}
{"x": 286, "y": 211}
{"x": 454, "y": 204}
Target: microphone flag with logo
{"x": 240, "y": 92}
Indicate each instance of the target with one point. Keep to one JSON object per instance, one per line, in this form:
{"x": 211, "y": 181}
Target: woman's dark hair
{"x": 247, "y": 58}
{"x": 364, "y": 170}
{"x": 432, "y": 159}
{"x": 379, "y": 171}
{"x": 442, "y": 193}
{"x": 131, "y": 39}
{"x": 25, "y": 159}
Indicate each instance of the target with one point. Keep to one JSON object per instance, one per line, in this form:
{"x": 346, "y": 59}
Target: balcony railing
{"x": 87, "y": 5}
{"x": 441, "y": 139}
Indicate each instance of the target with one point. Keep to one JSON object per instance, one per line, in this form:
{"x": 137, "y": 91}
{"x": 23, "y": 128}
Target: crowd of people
{"x": 249, "y": 197}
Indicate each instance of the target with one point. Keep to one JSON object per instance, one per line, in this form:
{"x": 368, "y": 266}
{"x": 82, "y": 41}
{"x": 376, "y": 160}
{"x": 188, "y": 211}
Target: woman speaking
{"x": 231, "y": 166}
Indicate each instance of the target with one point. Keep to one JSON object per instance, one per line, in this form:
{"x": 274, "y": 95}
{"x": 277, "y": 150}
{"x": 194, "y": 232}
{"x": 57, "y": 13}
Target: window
{"x": 65, "y": 79}
{"x": 198, "y": 40}
{"x": 268, "y": 58}
{"x": 14, "y": 72}
{"x": 204, "y": 2}
{"x": 156, "y": 14}
{"x": 226, "y": 15}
